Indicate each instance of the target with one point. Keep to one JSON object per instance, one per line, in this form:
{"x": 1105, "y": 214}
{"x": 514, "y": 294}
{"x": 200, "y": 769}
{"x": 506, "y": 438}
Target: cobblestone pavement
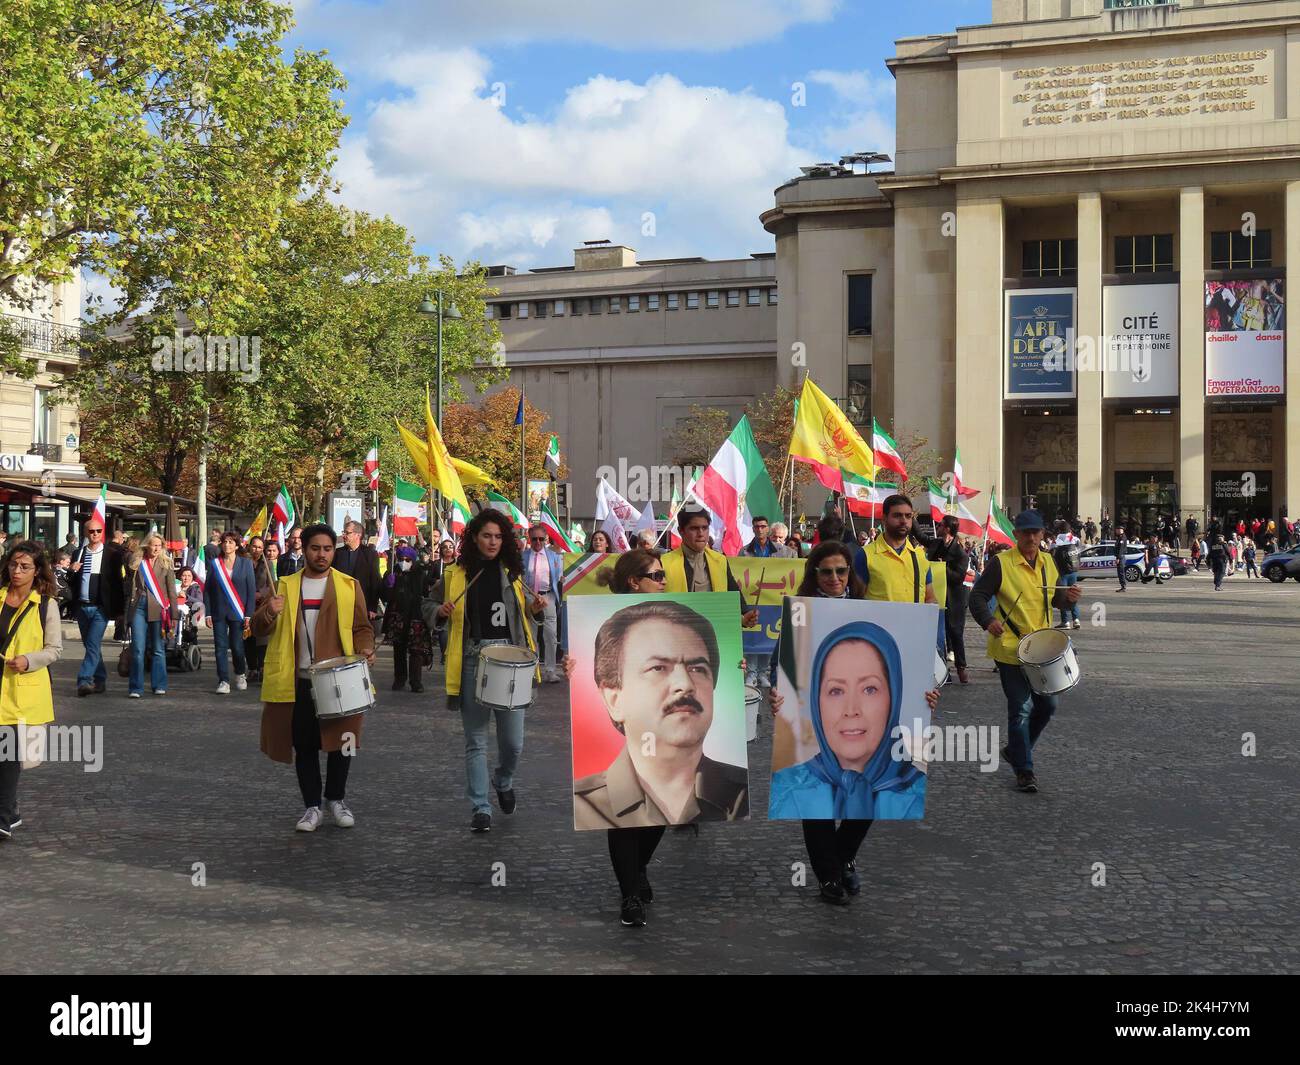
{"x": 1142, "y": 770}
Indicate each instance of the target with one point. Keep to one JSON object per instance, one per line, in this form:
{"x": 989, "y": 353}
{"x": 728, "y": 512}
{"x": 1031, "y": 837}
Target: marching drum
{"x": 753, "y": 698}
{"x": 941, "y": 675}
{"x": 1048, "y": 659}
{"x": 505, "y": 677}
{"x": 341, "y": 687}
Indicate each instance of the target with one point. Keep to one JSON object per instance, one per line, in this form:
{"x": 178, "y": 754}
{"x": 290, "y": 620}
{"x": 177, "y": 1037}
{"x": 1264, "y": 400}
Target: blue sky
{"x": 511, "y": 131}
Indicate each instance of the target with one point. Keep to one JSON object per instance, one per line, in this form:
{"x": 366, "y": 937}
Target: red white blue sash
{"x": 222, "y": 578}
{"x": 151, "y": 586}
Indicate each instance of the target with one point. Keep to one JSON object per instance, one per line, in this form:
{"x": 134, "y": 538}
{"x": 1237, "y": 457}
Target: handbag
{"x": 124, "y": 661}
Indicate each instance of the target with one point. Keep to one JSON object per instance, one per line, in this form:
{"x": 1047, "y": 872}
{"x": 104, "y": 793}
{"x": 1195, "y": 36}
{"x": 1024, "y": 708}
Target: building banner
{"x": 1040, "y": 343}
{"x": 1245, "y": 338}
{"x": 1141, "y": 346}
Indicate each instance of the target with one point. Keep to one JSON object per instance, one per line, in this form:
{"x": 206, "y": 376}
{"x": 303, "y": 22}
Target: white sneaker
{"x": 133, "y": 695}
{"x": 310, "y": 820}
{"x": 241, "y": 682}
{"x": 223, "y": 688}
{"x": 339, "y": 811}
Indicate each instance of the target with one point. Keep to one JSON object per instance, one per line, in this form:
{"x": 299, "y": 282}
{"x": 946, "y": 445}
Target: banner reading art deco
{"x": 1039, "y": 343}
{"x": 1245, "y": 338}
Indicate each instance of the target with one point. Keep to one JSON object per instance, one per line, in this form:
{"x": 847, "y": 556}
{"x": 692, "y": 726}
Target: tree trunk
{"x": 318, "y": 490}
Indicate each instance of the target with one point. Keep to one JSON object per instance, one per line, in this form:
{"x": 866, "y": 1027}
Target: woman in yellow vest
{"x": 1022, "y": 581}
{"x": 483, "y": 597}
{"x": 30, "y": 641}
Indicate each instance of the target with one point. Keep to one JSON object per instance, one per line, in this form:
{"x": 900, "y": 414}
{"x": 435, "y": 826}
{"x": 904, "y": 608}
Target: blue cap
{"x": 1029, "y": 519}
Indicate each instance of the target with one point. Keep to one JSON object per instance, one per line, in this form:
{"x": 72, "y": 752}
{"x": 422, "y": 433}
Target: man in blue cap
{"x": 1024, "y": 582}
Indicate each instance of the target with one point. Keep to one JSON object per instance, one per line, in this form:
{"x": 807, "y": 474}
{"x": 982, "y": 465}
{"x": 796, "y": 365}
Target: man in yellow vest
{"x": 1022, "y": 583}
{"x": 893, "y": 568}
{"x": 696, "y": 567}
{"x": 316, "y": 613}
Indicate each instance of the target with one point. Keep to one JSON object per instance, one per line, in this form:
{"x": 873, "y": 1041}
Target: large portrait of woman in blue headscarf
{"x": 854, "y": 692}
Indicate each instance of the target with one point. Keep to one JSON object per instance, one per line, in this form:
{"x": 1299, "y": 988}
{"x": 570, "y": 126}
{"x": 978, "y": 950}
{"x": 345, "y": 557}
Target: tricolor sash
{"x": 227, "y": 586}
{"x": 151, "y": 586}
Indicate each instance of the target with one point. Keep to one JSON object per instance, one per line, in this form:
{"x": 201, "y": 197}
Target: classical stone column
{"x": 1088, "y": 380}
{"x": 980, "y": 353}
{"x": 1191, "y": 355}
{"x": 1291, "y": 446}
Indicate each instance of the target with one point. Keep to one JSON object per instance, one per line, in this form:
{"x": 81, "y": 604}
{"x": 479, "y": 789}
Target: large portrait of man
{"x": 657, "y": 710}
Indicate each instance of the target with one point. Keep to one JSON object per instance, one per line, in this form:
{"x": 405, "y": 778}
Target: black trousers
{"x": 830, "y": 847}
{"x": 630, "y": 851}
{"x": 254, "y": 653}
{"x": 406, "y": 664}
{"x": 954, "y": 624}
{"x": 9, "y": 771}
{"x": 306, "y": 752}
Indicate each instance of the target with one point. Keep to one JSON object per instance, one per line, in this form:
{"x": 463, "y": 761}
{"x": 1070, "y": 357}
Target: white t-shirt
{"x": 313, "y": 591}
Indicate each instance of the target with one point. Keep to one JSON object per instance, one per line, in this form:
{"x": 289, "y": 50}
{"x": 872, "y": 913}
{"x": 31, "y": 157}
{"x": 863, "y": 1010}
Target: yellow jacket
{"x": 453, "y": 587}
{"x": 1024, "y": 597}
{"x": 26, "y": 697}
{"x": 675, "y": 570}
{"x": 280, "y": 670}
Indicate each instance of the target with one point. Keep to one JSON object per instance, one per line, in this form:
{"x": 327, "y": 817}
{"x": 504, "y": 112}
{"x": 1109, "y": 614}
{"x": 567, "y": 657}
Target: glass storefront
{"x": 1053, "y": 495}
{"x": 1142, "y": 499}
{"x": 1241, "y": 494}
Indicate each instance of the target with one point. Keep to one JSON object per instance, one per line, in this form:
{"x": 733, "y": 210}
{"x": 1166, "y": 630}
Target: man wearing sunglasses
{"x": 544, "y": 577}
{"x": 98, "y": 583}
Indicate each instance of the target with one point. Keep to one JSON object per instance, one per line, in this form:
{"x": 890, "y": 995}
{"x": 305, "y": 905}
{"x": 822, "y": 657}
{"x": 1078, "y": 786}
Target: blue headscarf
{"x": 855, "y": 792}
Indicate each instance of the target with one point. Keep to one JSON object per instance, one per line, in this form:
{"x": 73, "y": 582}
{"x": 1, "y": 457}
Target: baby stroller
{"x": 183, "y": 652}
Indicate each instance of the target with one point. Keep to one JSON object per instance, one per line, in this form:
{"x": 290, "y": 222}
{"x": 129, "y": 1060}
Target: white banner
{"x": 1245, "y": 338}
{"x": 1140, "y": 323}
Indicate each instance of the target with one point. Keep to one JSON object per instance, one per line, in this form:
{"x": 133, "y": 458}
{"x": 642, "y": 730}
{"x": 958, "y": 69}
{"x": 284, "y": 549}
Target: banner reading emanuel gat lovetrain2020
{"x": 1245, "y": 337}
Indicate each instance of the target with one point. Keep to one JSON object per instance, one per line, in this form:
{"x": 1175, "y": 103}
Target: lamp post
{"x": 430, "y": 307}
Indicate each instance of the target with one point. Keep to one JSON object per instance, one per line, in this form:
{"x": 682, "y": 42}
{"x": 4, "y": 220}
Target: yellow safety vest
{"x": 280, "y": 670}
{"x": 452, "y": 591}
{"x": 939, "y": 582}
{"x": 896, "y": 576}
{"x": 675, "y": 570}
{"x": 1024, "y": 598}
{"x": 26, "y": 697}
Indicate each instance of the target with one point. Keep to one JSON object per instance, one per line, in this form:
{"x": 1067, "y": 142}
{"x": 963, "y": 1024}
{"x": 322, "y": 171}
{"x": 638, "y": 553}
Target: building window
{"x": 1147, "y": 254}
{"x": 672, "y": 300}
{"x": 652, "y": 301}
{"x": 579, "y": 307}
{"x": 712, "y": 300}
{"x": 733, "y": 297}
{"x": 559, "y": 309}
{"x": 539, "y": 309}
{"x": 505, "y": 310}
{"x": 859, "y": 305}
{"x": 1049, "y": 258}
{"x": 692, "y": 301}
{"x": 1234, "y": 250}
{"x": 45, "y": 424}
{"x": 859, "y": 404}
{"x": 597, "y": 304}
{"x": 615, "y": 304}
{"x": 633, "y": 304}
{"x": 771, "y": 297}
{"x": 521, "y": 311}
{"x": 754, "y": 297}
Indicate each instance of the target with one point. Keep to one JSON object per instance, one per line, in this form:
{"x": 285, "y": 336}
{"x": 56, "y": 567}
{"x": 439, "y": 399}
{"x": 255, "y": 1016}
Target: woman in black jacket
{"x": 404, "y": 624}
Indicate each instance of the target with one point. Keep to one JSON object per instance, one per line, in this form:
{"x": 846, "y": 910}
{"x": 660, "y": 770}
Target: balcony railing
{"x": 49, "y": 452}
{"x": 1116, "y": 5}
{"x": 47, "y": 338}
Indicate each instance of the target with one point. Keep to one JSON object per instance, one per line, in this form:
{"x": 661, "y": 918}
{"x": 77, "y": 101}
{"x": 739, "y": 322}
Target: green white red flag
{"x": 506, "y": 507}
{"x": 999, "y": 528}
{"x": 941, "y": 507}
{"x": 886, "y": 452}
{"x": 554, "y": 530}
{"x": 408, "y": 507}
{"x": 865, "y": 497}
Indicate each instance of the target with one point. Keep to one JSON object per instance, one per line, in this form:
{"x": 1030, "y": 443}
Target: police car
{"x": 1280, "y": 565}
{"x": 1098, "y": 560}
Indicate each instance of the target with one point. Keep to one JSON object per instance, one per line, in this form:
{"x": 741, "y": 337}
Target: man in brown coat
{"x": 315, "y": 614}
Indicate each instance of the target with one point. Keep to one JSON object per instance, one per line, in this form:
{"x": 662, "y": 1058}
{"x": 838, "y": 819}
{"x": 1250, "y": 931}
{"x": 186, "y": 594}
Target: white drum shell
{"x": 1048, "y": 659}
{"x": 341, "y": 687}
{"x": 753, "y": 700}
{"x": 505, "y": 677}
{"x": 941, "y": 675}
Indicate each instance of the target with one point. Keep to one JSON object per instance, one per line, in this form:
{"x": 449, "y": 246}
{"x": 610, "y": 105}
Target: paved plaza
{"x": 1142, "y": 770}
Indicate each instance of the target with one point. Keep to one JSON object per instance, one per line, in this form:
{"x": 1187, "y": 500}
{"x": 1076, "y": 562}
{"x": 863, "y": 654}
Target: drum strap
{"x": 916, "y": 570}
{"x": 1047, "y": 609}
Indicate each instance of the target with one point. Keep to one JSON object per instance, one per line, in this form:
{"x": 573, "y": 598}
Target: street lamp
{"x": 430, "y": 307}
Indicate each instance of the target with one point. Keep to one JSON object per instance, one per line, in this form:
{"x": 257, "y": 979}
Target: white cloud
{"x": 474, "y": 179}
{"x": 628, "y": 25}
{"x": 859, "y": 116}
{"x": 859, "y": 87}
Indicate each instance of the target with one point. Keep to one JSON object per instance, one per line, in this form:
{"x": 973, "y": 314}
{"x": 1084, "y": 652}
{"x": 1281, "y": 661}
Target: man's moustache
{"x": 685, "y": 701}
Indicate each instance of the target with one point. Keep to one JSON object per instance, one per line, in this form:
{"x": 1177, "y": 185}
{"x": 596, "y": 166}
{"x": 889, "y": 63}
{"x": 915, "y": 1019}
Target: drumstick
{"x": 467, "y": 587}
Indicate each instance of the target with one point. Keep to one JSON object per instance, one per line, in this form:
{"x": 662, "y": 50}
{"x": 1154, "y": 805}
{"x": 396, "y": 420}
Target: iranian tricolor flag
{"x": 999, "y": 528}
{"x": 961, "y": 491}
{"x": 372, "y": 466}
{"x": 504, "y": 505}
{"x": 969, "y": 579}
{"x": 554, "y": 530}
{"x": 735, "y": 486}
{"x": 282, "y": 508}
{"x": 459, "y": 519}
{"x": 865, "y": 497}
{"x": 384, "y": 543}
{"x": 408, "y": 499}
{"x": 885, "y": 451}
{"x": 967, "y": 523}
{"x": 101, "y": 506}
{"x": 553, "y": 456}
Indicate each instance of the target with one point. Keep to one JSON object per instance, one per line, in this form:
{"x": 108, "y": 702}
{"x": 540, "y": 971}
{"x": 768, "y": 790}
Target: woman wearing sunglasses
{"x": 630, "y": 849}
{"x": 850, "y": 777}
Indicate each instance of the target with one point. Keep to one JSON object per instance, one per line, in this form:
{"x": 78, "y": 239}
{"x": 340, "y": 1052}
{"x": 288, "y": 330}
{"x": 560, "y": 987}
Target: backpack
{"x": 1066, "y": 557}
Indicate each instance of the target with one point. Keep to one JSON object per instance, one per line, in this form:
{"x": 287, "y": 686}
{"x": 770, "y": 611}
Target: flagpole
{"x": 523, "y": 462}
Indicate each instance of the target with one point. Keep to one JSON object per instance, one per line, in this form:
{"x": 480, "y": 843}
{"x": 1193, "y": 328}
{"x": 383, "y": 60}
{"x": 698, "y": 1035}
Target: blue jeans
{"x": 1071, "y": 612}
{"x": 228, "y": 634}
{"x": 758, "y": 668}
{"x": 510, "y": 738}
{"x": 91, "y": 621}
{"x": 1027, "y": 715}
{"x": 142, "y": 632}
